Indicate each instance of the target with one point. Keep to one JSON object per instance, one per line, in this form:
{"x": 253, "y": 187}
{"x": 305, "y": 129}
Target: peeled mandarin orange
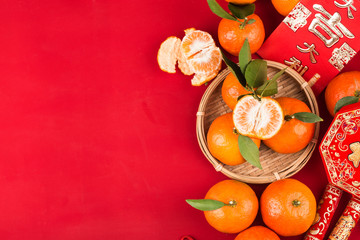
{"x": 202, "y": 55}
{"x": 259, "y": 119}
{"x": 195, "y": 54}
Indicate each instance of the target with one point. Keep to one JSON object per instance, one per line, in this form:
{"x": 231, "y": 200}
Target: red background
{"x": 96, "y": 141}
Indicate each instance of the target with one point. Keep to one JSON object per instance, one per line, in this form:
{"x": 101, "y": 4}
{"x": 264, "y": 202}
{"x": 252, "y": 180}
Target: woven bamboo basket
{"x": 275, "y": 165}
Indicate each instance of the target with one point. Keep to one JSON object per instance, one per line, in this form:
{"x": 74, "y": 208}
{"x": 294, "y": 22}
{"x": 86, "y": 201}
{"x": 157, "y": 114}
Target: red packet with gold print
{"x": 317, "y": 39}
{"x": 340, "y": 153}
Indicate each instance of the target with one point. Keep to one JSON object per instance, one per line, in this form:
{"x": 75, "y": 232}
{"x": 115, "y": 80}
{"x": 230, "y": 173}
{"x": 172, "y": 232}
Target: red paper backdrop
{"x": 96, "y": 141}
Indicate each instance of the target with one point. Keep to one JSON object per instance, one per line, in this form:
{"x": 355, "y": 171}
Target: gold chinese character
{"x": 347, "y": 4}
{"x": 310, "y": 49}
{"x": 341, "y": 56}
{"x": 330, "y": 25}
{"x": 295, "y": 64}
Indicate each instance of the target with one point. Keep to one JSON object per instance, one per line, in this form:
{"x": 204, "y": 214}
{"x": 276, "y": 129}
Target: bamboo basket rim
{"x": 287, "y": 171}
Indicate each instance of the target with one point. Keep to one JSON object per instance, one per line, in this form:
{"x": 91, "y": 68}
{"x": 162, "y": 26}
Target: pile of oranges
{"x": 288, "y": 208}
{"x": 278, "y": 123}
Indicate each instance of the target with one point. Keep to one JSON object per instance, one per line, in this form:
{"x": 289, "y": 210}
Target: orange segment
{"x": 200, "y": 79}
{"x": 259, "y": 119}
{"x": 183, "y": 64}
{"x": 206, "y": 61}
{"x": 168, "y": 54}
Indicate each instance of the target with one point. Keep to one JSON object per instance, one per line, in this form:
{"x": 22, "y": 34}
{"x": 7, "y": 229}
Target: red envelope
{"x": 317, "y": 38}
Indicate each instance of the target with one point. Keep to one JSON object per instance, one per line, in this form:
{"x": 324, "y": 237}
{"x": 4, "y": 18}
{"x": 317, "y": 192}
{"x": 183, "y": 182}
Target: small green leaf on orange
{"x": 270, "y": 87}
{"x": 205, "y": 204}
{"x": 219, "y": 11}
{"x": 307, "y": 117}
{"x": 256, "y": 73}
{"x": 250, "y": 21}
{"x": 249, "y": 150}
{"x": 345, "y": 101}
{"x": 244, "y": 56}
{"x": 241, "y": 11}
{"x": 235, "y": 69}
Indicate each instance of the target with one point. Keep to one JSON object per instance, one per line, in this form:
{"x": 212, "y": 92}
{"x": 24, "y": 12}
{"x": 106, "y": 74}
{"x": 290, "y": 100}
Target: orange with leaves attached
{"x": 242, "y": 209}
{"x": 343, "y": 85}
{"x": 232, "y": 37}
{"x": 294, "y": 134}
{"x": 223, "y": 141}
{"x": 231, "y": 89}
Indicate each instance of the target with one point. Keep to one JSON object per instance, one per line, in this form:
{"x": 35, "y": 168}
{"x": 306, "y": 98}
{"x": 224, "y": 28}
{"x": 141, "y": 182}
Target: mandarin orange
{"x": 294, "y": 134}
{"x": 284, "y": 7}
{"x": 343, "y": 85}
{"x": 288, "y": 207}
{"x": 241, "y": 2}
{"x": 231, "y": 37}
{"x": 231, "y": 89}
{"x": 257, "y": 233}
{"x": 223, "y": 142}
{"x": 201, "y": 54}
{"x": 242, "y": 212}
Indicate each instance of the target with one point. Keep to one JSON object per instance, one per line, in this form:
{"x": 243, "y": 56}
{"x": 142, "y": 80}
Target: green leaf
{"x": 256, "y": 73}
{"x": 241, "y": 11}
{"x": 244, "y": 56}
{"x": 278, "y": 74}
{"x": 270, "y": 87}
{"x": 205, "y": 204}
{"x": 345, "y": 101}
{"x": 235, "y": 69}
{"x": 249, "y": 150}
{"x": 307, "y": 117}
{"x": 219, "y": 11}
{"x": 251, "y": 21}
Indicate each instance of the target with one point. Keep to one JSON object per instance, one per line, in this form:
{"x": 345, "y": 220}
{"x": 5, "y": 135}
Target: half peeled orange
{"x": 195, "y": 54}
{"x": 258, "y": 118}
{"x": 202, "y": 55}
